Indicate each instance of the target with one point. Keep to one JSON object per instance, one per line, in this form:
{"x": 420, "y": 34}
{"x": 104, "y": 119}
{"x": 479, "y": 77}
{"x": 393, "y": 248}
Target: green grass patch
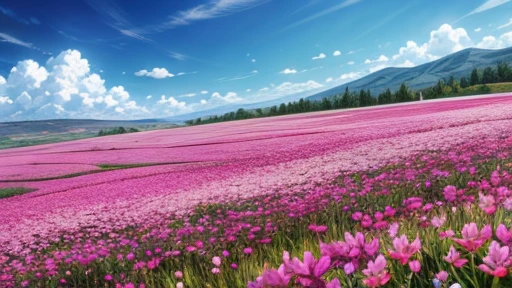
{"x": 15, "y": 191}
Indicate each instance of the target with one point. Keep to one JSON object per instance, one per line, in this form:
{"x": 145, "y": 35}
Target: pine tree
{"x": 464, "y": 82}
{"x": 475, "y": 78}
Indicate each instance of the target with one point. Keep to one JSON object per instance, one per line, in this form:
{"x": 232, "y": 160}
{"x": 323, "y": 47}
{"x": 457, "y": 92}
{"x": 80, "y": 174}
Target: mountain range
{"x": 457, "y": 64}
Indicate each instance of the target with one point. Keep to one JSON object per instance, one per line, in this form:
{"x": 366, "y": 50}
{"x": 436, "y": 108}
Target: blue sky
{"x": 108, "y": 59}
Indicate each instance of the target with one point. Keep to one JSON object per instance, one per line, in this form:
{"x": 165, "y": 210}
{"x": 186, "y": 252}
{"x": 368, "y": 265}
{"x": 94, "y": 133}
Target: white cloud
{"x": 491, "y": 42}
{"x": 203, "y": 101}
{"x": 204, "y": 92}
{"x": 210, "y": 10}
{"x": 444, "y": 41}
{"x": 157, "y": 73}
{"x": 506, "y": 24}
{"x": 119, "y": 110}
{"x": 149, "y": 97}
{"x": 489, "y": 4}
{"x": 350, "y": 76}
{"x": 264, "y": 89}
{"x": 351, "y": 63}
{"x": 9, "y": 39}
{"x": 172, "y": 102}
{"x": 5, "y": 100}
{"x": 2, "y": 80}
{"x": 254, "y": 71}
{"x": 64, "y": 87}
{"x": 253, "y": 60}
{"x": 381, "y": 59}
{"x": 248, "y": 90}
{"x": 124, "y": 72}
{"x": 187, "y": 95}
{"x": 321, "y": 56}
{"x": 217, "y": 98}
{"x": 336, "y": 53}
{"x": 328, "y": 80}
{"x": 288, "y": 71}
{"x": 478, "y": 29}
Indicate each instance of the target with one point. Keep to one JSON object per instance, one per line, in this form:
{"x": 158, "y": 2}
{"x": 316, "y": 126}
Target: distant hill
{"x": 457, "y": 64}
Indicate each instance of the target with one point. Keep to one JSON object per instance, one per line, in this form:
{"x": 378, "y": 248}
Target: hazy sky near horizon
{"x": 109, "y": 59}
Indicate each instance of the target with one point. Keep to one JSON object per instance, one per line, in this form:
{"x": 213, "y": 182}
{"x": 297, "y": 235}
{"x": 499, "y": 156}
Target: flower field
{"x": 413, "y": 195}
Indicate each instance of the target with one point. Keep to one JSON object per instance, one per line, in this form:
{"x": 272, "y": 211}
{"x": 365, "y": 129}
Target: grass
{"x": 11, "y": 192}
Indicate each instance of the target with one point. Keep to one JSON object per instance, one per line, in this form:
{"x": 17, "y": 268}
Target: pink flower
{"x": 216, "y": 261}
{"x": 453, "y": 258}
{"x": 179, "y": 285}
{"x": 450, "y": 193}
{"x": 225, "y": 253}
{"x": 415, "y": 266}
{"x": 108, "y": 277}
{"x": 215, "y": 270}
{"x": 442, "y": 276}
{"x": 376, "y": 274}
{"x": 438, "y": 222}
{"x": 317, "y": 229}
{"x": 446, "y": 234}
{"x": 389, "y": 211}
{"x": 504, "y": 235}
{"x": 403, "y": 250}
{"x": 335, "y": 283}
{"x": 497, "y": 260}
{"x": 472, "y": 239}
{"x": 508, "y": 204}
{"x": 487, "y": 203}
{"x": 393, "y": 229}
{"x": 308, "y": 271}
{"x": 277, "y": 278}
{"x": 357, "y": 216}
{"x": 178, "y": 274}
{"x": 247, "y": 251}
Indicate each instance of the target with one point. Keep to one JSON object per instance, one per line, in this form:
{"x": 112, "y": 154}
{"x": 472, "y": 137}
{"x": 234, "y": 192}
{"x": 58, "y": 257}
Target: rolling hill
{"x": 457, "y": 64}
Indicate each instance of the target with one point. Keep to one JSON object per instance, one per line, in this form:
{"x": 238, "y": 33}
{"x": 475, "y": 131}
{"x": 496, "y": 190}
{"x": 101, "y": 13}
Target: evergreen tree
{"x": 451, "y": 81}
{"x": 282, "y": 109}
{"x": 475, "y": 78}
{"x": 488, "y": 76}
{"x": 345, "y": 100}
{"x": 464, "y": 82}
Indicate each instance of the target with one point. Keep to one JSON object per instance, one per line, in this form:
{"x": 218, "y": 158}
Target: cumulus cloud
{"x": 443, "y": 41}
{"x": 172, "y": 102}
{"x": 351, "y": 63}
{"x": 64, "y": 87}
{"x": 204, "y": 92}
{"x": 149, "y": 97}
{"x": 478, "y": 29}
{"x": 5, "y": 100}
{"x": 336, "y": 53}
{"x": 2, "y": 80}
{"x": 321, "y": 56}
{"x": 381, "y": 59}
{"x": 328, "y": 80}
{"x": 288, "y": 71}
{"x": 157, "y": 73}
{"x": 491, "y": 42}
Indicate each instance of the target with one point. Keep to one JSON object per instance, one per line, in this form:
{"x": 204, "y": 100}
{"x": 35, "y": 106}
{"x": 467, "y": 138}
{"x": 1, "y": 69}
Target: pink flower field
{"x": 217, "y": 203}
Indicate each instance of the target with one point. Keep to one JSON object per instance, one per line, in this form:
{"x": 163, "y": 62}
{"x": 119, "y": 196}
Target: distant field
{"x": 29, "y": 133}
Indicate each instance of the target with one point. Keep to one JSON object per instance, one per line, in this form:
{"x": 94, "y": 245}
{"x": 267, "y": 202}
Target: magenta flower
{"x": 310, "y": 270}
{"x": 403, "y": 250}
{"x": 450, "y": 193}
{"x": 508, "y": 204}
{"x": 108, "y": 277}
{"x": 277, "y": 278}
{"x": 376, "y": 274}
{"x": 357, "y": 216}
{"x": 247, "y": 250}
{"x": 487, "y": 203}
{"x": 415, "y": 266}
{"x": 472, "y": 239}
{"x": 446, "y": 234}
{"x": 442, "y": 276}
{"x": 317, "y": 229}
{"x": 497, "y": 260}
{"x": 453, "y": 258}
{"x": 504, "y": 234}
{"x": 335, "y": 283}
{"x": 178, "y": 274}
{"x": 438, "y": 222}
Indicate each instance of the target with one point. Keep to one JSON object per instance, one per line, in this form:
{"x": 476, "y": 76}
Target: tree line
{"x": 117, "y": 130}
{"x": 450, "y": 87}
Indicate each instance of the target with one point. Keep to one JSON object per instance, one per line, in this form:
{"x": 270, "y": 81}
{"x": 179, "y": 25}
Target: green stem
{"x": 495, "y": 282}
{"x": 456, "y": 275}
{"x": 473, "y": 268}
{"x": 409, "y": 280}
